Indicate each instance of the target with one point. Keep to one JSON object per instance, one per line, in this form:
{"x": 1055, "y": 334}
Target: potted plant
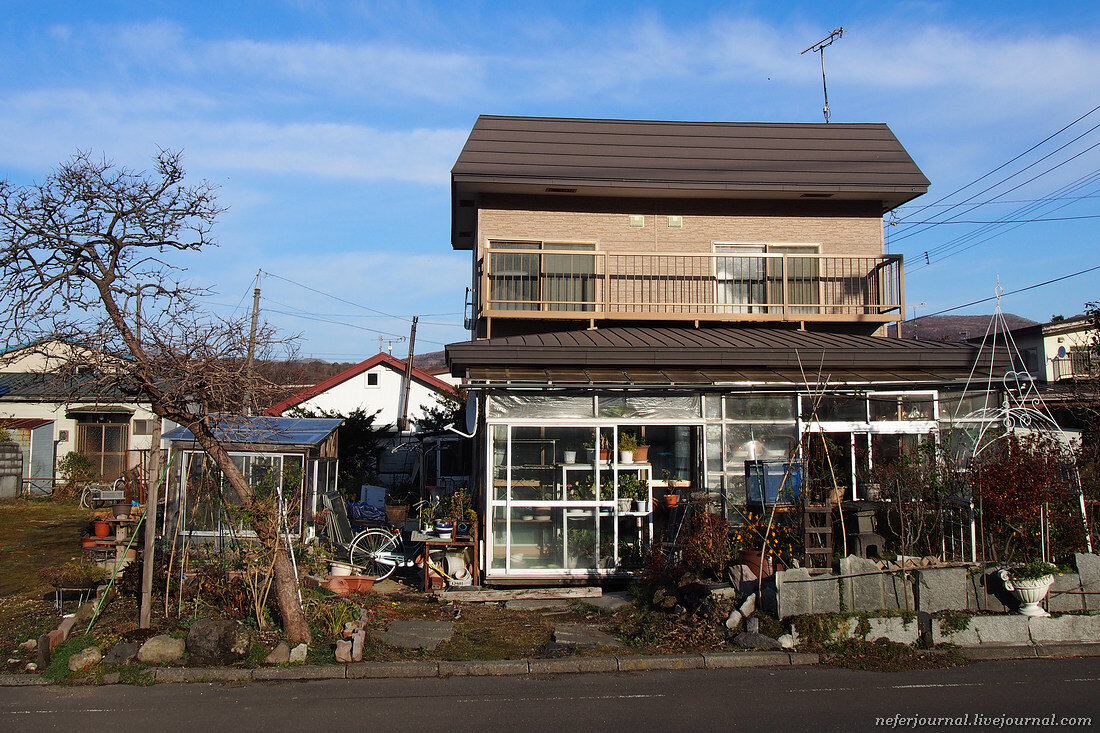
{"x": 605, "y": 448}
{"x": 589, "y": 451}
{"x": 569, "y": 455}
{"x": 1029, "y": 584}
{"x": 397, "y": 506}
{"x": 641, "y": 452}
{"x": 627, "y": 444}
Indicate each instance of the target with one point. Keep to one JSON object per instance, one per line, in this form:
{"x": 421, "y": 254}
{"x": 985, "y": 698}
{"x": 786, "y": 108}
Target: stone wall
{"x": 863, "y": 587}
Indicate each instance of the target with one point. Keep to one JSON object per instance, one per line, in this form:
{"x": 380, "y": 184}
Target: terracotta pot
{"x": 102, "y": 529}
{"x": 87, "y": 542}
{"x": 605, "y": 454}
{"x": 671, "y": 500}
{"x": 641, "y": 454}
{"x": 762, "y": 567}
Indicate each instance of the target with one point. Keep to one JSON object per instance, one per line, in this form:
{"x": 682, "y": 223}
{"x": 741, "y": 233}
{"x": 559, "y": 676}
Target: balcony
{"x": 1078, "y": 364}
{"x": 590, "y": 285}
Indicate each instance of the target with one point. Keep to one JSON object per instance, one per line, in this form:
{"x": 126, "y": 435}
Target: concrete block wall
{"x": 11, "y": 470}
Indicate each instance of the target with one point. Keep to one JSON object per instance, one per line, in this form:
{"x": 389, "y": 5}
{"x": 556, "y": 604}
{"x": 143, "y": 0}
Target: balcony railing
{"x": 1078, "y": 364}
{"x": 525, "y": 283}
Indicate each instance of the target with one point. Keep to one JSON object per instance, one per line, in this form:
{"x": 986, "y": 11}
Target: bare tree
{"x": 87, "y": 259}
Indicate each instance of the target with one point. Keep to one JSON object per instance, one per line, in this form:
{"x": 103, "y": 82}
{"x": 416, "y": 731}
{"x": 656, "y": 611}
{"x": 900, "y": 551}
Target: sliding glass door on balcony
{"x": 741, "y": 278}
{"x": 758, "y": 278}
{"x": 543, "y": 276}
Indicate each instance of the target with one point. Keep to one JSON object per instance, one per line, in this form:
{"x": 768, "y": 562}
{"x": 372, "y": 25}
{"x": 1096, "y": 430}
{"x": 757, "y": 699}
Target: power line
{"x": 1010, "y": 162}
{"x": 348, "y": 325}
{"x": 1005, "y": 221}
{"x": 1013, "y": 292}
{"x": 330, "y": 295}
{"x": 353, "y": 315}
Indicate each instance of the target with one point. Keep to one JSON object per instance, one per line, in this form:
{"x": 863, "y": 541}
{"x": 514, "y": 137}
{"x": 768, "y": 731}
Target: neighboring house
{"x": 717, "y": 289}
{"x": 295, "y": 457}
{"x": 1060, "y": 351}
{"x": 954, "y": 328}
{"x": 52, "y": 411}
{"x": 376, "y": 385}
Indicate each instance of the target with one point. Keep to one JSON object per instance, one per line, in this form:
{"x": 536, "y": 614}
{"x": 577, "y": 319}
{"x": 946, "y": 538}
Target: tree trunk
{"x": 291, "y": 613}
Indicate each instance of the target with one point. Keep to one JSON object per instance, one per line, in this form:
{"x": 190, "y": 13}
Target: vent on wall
{"x": 555, "y": 189}
{"x": 816, "y": 195}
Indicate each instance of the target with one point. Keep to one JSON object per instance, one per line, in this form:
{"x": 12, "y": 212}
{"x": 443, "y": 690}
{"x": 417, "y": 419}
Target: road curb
{"x": 558, "y": 665}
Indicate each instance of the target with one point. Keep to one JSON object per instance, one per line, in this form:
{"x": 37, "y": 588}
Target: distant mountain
{"x": 954, "y": 328}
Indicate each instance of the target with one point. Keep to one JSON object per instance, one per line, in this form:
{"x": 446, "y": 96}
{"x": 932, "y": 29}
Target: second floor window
{"x": 546, "y": 276}
{"x": 750, "y": 278}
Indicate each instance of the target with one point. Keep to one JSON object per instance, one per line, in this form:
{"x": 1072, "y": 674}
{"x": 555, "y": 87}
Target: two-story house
{"x": 716, "y": 291}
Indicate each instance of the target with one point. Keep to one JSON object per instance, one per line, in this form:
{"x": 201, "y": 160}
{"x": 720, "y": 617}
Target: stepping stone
{"x": 611, "y": 601}
{"x": 417, "y": 633}
{"x": 574, "y": 636}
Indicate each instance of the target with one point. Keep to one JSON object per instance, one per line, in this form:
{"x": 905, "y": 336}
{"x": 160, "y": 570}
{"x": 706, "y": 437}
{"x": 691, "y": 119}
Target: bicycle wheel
{"x": 376, "y": 552}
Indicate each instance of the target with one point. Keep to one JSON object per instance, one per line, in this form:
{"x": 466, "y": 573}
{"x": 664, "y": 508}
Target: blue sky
{"x": 330, "y": 127}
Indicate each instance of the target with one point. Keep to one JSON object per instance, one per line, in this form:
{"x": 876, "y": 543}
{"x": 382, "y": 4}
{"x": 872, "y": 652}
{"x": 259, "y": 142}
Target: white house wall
{"x": 385, "y": 397}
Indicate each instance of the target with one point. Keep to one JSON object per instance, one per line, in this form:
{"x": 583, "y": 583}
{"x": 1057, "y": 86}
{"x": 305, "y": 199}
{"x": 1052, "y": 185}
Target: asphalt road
{"x": 772, "y": 699}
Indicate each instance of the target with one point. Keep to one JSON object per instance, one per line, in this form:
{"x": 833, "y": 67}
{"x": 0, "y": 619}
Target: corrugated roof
{"x": 26, "y": 423}
{"x": 733, "y": 348}
{"x": 263, "y": 429}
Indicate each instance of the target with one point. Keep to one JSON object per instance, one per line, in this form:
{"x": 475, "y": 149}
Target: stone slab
{"x": 417, "y": 633}
{"x": 215, "y": 674}
{"x": 864, "y": 590}
{"x": 799, "y": 659}
{"x": 898, "y": 591}
{"x": 573, "y": 665}
{"x": 613, "y": 601}
{"x": 893, "y": 628}
{"x": 302, "y": 672}
{"x": 730, "y": 660}
{"x": 1065, "y": 594}
{"x": 941, "y": 589}
{"x": 491, "y": 668}
{"x": 1072, "y": 629}
{"x": 535, "y": 604}
{"x": 392, "y": 670}
{"x": 647, "y": 662}
{"x": 571, "y": 636}
{"x": 1088, "y": 567}
{"x": 22, "y": 680}
{"x": 986, "y": 593}
{"x": 996, "y": 630}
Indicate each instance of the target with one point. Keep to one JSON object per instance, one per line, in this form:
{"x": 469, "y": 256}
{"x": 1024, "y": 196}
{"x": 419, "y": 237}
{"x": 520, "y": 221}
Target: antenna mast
{"x": 819, "y": 48}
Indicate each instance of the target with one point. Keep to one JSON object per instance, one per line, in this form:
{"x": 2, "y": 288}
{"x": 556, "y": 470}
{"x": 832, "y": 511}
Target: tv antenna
{"x": 819, "y": 48}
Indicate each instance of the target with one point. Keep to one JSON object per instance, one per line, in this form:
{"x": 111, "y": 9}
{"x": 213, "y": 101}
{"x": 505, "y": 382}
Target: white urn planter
{"x": 1028, "y": 592}
{"x": 625, "y": 505}
{"x": 569, "y": 456}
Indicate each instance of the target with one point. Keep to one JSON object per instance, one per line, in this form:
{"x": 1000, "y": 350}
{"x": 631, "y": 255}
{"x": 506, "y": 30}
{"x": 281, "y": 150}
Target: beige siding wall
{"x": 853, "y": 236}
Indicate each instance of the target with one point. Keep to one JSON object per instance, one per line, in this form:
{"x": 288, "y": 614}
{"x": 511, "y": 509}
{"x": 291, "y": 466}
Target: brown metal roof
{"x": 753, "y": 353}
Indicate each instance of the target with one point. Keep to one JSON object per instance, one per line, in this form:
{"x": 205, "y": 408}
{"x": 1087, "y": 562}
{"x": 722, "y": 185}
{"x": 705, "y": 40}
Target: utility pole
{"x": 403, "y": 420}
{"x": 252, "y": 342}
{"x": 819, "y": 48}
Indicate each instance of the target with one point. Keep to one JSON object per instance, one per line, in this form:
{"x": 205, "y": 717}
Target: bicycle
{"x": 379, "y": 551}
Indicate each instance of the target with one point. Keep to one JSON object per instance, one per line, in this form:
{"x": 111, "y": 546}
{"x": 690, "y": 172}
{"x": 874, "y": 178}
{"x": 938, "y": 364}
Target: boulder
{"x": 85, "y": 658}
{"x": 747, "y": 640}
{"x": 162, "y": 649}
{"x": 279, "y": 655}
{"x": 786, "y": 641}
{"x": 299, "y": 653}
{"x": 218, "y": 641}
{"x": 84, "y": 614}
{"x": 343, "y": 651}
{"x": 122, "y": 653}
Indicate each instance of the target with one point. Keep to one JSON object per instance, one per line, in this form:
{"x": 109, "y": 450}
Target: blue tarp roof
{"x": 263, "y": 429}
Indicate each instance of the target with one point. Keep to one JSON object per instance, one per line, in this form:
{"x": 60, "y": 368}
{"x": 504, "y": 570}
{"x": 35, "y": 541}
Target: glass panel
{"x": 714, "y": 448}
{"x": 760, "y": 407}
{"x": 672, "y": 451}
{"x": 540, "y": 469}
{"x": 835, "y": 408}
{"x": 113, "y": 438}
{"x": 499, "y": 529}
{"x": 900, "y": 407}
{"x": 569, "y": 282}
{"x": 712, "y": 406}
{"x": 537, "y": 538}
{"x": 514, "y": 280}
{"x": 582, "y": 542}
{"x": 500, "y": 458}
{"x": 740, "y": 279}
{"x": 960, "y": 405}
{"x": 527, "y": 406}
{"x": 651, "y": 406}
{"x": 607, "y": 557}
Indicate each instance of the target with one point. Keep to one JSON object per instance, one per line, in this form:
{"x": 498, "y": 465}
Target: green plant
{"x": 583, "y": 488}
{"x": 627, "y": 442}
{"x": 582, "y": 542}
{"x": 630, "y": 487}
{"x": 1034, "y": 570}
{"x": 75, "y": 467}
{"x": 952, "y": 622}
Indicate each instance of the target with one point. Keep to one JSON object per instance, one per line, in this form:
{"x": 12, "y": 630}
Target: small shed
{"x": 293, "y": 459}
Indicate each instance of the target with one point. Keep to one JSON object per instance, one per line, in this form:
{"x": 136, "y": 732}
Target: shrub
{"x": 709, "y": 547}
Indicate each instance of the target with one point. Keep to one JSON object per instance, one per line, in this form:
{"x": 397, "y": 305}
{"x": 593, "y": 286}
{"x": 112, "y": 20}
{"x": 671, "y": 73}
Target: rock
{"x": 941, "y": 589}
{"x": 31, "y": 667}
{"x": 664, "y": 600}
{"x": 357, "y": 640}
{"x": 748, "y": 640}
{"x": 218, "y": 641}
{"x": 343, "y": 651}
{"x": 752, "y": 625}
{"x": 299, "y": 653}
{"x": 786, "y": 641}
{"x": 122, "y": 653}
{"x": 573, "y": 636}
{"x": 13, "y": 660}
{"x": 112, "y": 678}
{"x": 29, "y": 645}
{"x": 279, "y": 655}
{"x": 417, "y": 633}
{"x": 748, "y": 608}
{"x": 743, "y": 579}
{"x": 84, "y": 614}
{"x": 734, "y": 620}
{"x": 724, "y": 592}
{"x": 688, "y": 579}
{"x": 162, "y": 649}
{"x": 85, "y": 658}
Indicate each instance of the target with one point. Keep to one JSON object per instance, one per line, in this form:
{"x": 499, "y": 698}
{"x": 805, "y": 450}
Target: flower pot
{"x": 87, "y": 542}
{"x": 340, "y": 569}
{"x": 605, "y": 454}
{"x": 121, "y": 510}
{"x": 102, "y": 529}
{"x": 625, "y": 505}
{"x": 641, "y": 454}
{"x": 569, "y": 456}
{"x": 761, "y": 566}
{"x": 640, "y": 505}
{"x": 1028, "y": 592}
{"x": 626, "y": 456}
{"x": 671, "y": 500}
{"x": 445, "y": 530}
